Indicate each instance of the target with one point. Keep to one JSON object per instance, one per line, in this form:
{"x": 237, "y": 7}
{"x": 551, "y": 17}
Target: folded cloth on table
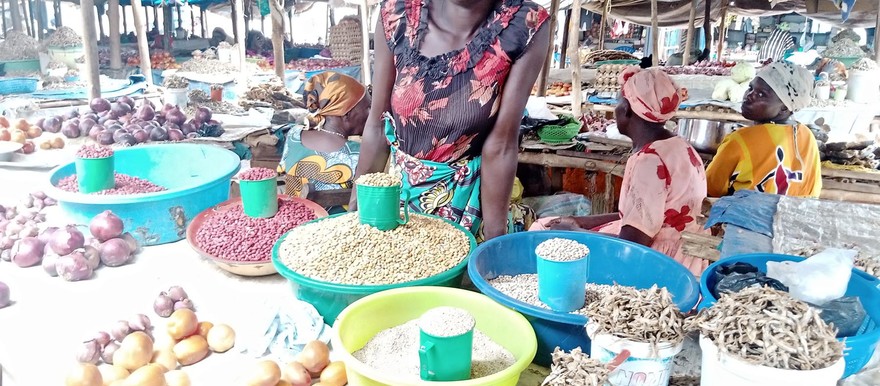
{"x": 747, "y": 209}
{"x": 287, "y": 328}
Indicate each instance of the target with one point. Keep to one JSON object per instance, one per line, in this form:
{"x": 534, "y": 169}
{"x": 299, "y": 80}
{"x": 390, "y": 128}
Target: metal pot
{"x": 703, "y": 134}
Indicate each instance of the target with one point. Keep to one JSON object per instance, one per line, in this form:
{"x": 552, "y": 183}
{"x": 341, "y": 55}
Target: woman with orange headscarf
{"x": 664, "y": 183}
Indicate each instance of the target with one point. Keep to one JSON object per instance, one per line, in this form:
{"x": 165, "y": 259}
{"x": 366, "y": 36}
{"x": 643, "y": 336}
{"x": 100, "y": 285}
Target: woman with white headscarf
{"x": 777, "y": 155}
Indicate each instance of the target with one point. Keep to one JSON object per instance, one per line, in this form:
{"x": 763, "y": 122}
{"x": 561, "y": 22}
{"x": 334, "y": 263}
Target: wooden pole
{"x": 3, "y": 18}
{"x": 707, "y": 25}
{"x": 722, "y": 28}
{"x": 689, "y": 44}
{"x": 140, "y": 29}
{"x": 41, "y": 22}
{"x": 606, "y": 8}
{"x": 192, "y": 21}
{"x": 545, "y": 71}
{"x": 100, "y": 20}
{"x": 167, "y": 15}
{"x": 56, "y": 6}
{"x": 115, "y": 50}
{"x": 563, "y": 51}
{"x": 276, "y": 12}
{"x": 27, "y": 19}
{"x": 365, "y": 34}
{"x": 877, "y": 39}
{"x": 235, "y": 37}
{"x": 124, "y": 20}
{"x": 574, "y": 52}
{"x": 90, "y": 48}
{"x": 156, "y": 17}
{"x": 655, "y": 36}
{"x": 290, "y": 23}
{"x": 239, "y": 31}
{"x": 32, "y": 25}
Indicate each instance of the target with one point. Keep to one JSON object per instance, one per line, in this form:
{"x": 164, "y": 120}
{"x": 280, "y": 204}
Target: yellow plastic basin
{"x": 363, "y": 319}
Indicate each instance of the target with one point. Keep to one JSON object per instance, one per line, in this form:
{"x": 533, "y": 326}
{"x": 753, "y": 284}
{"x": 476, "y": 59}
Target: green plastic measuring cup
{"x": 95, "y": 174}
{"x": 379, "y": 206}
{"x": 444, "y": 359}
{"x": 259, "y": 198}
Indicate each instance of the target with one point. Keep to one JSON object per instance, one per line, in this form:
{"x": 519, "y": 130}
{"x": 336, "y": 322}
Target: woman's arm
{"x": 501, "y": 148}
{"x": 374, "y": 146}
{"x": 722, "y": 167}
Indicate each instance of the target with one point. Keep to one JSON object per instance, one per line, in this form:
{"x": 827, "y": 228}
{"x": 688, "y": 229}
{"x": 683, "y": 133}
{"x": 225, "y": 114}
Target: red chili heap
{"x": 94, "y": 151}
{"x": 125, "y": 185}
{"x": 234, "y": 236}
{"x": 257, "y": 174}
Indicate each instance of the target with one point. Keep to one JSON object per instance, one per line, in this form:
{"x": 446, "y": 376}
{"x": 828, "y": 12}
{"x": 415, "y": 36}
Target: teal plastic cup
{"x": 259, "y": 198}
{"x": 379, "y": 206}
{"x": 561, "y": 284}
{"x": 95, "y": 174}
{"x": 446, "y": 358}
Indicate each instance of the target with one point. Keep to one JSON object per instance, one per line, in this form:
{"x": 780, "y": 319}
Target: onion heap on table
{"x": 20, "y": 222}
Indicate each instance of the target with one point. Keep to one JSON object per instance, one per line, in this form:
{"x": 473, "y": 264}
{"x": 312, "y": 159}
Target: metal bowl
{"x": 7, "y": 149}
{"x": 705, "y": 135}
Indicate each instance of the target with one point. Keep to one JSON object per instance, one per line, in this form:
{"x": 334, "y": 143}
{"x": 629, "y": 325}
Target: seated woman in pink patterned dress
{"x": 664, "y": 183}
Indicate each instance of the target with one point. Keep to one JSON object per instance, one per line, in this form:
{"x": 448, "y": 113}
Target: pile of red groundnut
{"x": 234, "y": 236}
{"x": 94, "y": 151}
{"x": 125, "y": 185}
{"x": 257, "y": 174}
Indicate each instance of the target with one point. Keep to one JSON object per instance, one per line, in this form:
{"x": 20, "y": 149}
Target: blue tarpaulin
{"x": 747, "y": 209}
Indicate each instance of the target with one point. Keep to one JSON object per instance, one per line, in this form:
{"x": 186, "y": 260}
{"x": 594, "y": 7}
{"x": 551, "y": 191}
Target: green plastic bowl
{"x": 363, "y": 319}
{"x": 331, "y": 298}
{"x": 27, "y": 65}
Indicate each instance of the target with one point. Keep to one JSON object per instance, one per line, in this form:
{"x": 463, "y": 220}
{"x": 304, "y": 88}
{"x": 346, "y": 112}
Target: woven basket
{"x": 559, "y": 134}
{"x": 345, "y": 40}
{"x": 18, "y": 85}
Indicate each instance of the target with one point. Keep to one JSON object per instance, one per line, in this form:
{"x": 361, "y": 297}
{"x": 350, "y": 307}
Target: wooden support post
{"x": 156, "y": 17}
{"x": 655, "y": 35}
{"x": 707, "y": 25}
{"x": 124, "y": 20}
{"x": 563, "y": 50}
{"x": 722, "y": 28}
{"x": 877, "y": 39}
{"x": 33, "y": 20}
{"x": 192, "y": 21}
{"x": 689, "y": 44}
{"x": 100, "y": 21}
{"x": 240, "y": 33}
{"x": 545, "y": 71}
{"x": 167, "y": 16}
{"x": 90, "y": 48}
{"x": 179, "y": 17}
{"x": 3, "y": 18}
{"x": 235, "y": 18}
{"x": 290, "y": 23}
{"x": 27, "y": 19}
{"x": 606, "y": 8}
{"x": 365, "y": 34}
{"x": 140, "y": 29}
{"x": 41, "y": 19}
{"x": 56, "y": 7}
{"x": 115, "y": 48}
{"x": 204, "y": 21}
{"x": 574, "y": 43}
{"x": 276, "y": 11}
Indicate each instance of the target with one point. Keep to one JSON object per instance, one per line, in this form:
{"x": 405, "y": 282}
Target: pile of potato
{"x": 557, "y": 89}
{"x": 23, "y": 132}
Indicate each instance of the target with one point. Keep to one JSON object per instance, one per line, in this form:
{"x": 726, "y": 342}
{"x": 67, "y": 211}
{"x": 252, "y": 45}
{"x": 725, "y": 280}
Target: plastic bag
{"x": 818, "y": 279}
{"x": 847, "y": 314}
{"x": 735, "y": 277}
{"x": 559, "y": 205}
{"x": 537, "y": 108}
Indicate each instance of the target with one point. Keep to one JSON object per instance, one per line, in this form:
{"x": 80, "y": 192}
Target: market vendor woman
{"x": 777, "y": 155}
{"x": 451, "y": 81}
{"x": 319, "y": 153}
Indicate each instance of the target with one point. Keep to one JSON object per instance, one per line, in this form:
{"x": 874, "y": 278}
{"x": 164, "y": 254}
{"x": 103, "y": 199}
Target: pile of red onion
{"x": 172, "y": 300}
{"x": 122, "y": 122}
{"x": 125, "y": 185}
{"x": 20, "y": 222}
{"x": 104, "y": 344}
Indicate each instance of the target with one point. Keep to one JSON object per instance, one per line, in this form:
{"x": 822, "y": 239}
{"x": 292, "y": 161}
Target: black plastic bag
{"x": 738, "y": 276}
{"x": 846, "y": 314}
{"x": 531, "y": 124}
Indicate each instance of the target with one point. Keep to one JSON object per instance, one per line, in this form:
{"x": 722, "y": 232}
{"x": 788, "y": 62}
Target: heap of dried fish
{"x": 270, "y": 94}
{"x": 208, "y": 65}
{"x": 18, "y": 46}
{"x": 64, "y": 37}
{"x": 866, "y": 263}
{"x": 603, "y": 55}
{"x": 646, "y": 316}
{"x": 176, "y": 82}
{"x": 770, "y": 328}
{"x": 871, "y": 265}
{"x": 199, "y": 98}
{"x": 684, "y": 381}
{"x": 575, "y": 369}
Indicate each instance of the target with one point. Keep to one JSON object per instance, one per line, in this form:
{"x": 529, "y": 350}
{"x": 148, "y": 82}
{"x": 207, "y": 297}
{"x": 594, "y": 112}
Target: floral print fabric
{"x": 444, "y": 107}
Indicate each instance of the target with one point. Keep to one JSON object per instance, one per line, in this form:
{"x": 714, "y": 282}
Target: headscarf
{"x": 331, "y": 94}
{"x": 793, "y": 84}
{"x": 651, "y": 94}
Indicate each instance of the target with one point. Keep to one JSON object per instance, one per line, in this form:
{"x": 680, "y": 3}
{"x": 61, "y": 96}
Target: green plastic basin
{"x": 331, "y": 298}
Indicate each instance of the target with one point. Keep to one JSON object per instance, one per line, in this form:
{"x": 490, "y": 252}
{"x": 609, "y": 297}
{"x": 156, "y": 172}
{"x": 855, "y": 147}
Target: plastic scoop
{"x": 379, "y": 206}
{"x": 259, "y": 198}
{"x": 445, "y": 348}
{"x": 95, "y": 174}
{"x": 561, "y": 283}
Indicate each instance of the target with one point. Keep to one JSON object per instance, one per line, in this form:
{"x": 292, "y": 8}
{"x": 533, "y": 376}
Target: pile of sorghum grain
{"x": 378, "y": 180}
{"x": 341, "y": 250}
{"x": 125, "y": 185}
{"x": 232, "y": 235}
{"x": 94, "y": 152}
{"x": 562, "y": 250}
{"x": 524, "y": 287}
{"x": 395, "y": 351}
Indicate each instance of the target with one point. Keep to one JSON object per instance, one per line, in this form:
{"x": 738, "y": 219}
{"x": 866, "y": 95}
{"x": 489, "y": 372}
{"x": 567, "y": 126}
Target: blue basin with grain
{"x": 196, "y": 177}
{"x": 612, "y": 260}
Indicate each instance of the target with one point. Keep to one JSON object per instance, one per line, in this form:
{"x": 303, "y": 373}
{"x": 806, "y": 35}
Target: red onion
{"x": 73, "y": 113}
{"x": 73, "y": 267}
{"x": 140, "y": 322}
{"x": 52, "y": 125}
{"x": 27, "y": 252}
{"x": 127, "y": 100}
{"x": 163, "y": 305}
{"x": 133, "y": 244}
{"x": 176, "y": 293}
{"x": 49, "y": 260}
{"x": 87, "y": 124}
{"x": 141, "y": 135}
{"x": 6, "y": 255}
{"x": 99, "y": 105}
{"x": 103, "y": 338}
{"x": 192, "y": 136}
{"x": 146, "y": 113}
{"x": 176, "y": 117}
{"x": 158, "y": 134}
{"x": 120, "y": 109}
{"x": 185, "y": 303}
{"x": 175, "y": 135}
{"x": 6, "y": 242}
{"x": 90, "y": 352}
{"x": 4, "y": 295}
{"x": 115, "y": 252}
{"x": 119, "y": 133}
{"x": 107, "y": 352}
{"x": 92, "y": 255}
{"x": 120, "y": 330}
{"x": 95, "y": 131}
{"x": 66, "y": 240}
{"x": 105, "y": 137}
{"x": 126, "y": 139}
{"x": 203, "y": 114}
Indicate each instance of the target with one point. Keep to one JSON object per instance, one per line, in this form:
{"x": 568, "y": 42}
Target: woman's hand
{"x": 563, "y": 224}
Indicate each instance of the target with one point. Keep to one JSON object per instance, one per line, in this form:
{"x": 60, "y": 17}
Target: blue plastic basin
{"x": 859, "y": 348}
{"x": 612, "y": 260}
{"x": 197, "y": 177}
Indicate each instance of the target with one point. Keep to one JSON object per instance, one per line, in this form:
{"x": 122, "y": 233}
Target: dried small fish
{"x": 647, "y": 316}
{"x": 18, "y": 46}
{"x": 575, "y": 369}
{"x": 769, "y": 328}
{"x": 64, "y": 37}
{"x": 175, "y": 81}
